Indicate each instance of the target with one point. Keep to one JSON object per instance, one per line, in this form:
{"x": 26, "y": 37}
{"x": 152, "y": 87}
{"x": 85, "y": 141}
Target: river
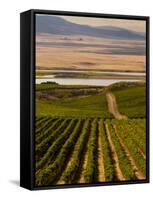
{"x": 93, "y": 82}
{"x": 83, "y": 81}
{"x": 96, "y": 71}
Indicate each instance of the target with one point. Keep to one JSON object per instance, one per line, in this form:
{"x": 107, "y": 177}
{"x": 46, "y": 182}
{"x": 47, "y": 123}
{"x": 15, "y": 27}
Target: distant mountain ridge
{"x": 59, "y": 26}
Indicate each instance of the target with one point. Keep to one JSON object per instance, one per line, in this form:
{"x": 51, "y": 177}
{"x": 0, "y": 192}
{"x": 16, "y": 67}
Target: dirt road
{"x": 112, "y": 106}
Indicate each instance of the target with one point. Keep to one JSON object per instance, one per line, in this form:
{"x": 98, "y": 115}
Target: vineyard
{"x": 132, "y": 101}
{"x": 87, "y": 134}
{"x": 71, "y": 150}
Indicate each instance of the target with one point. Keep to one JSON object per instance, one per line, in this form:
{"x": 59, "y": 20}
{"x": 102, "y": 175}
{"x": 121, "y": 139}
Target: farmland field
{"x": 132, "y": 101}
{"x": 78, "y": 140}
{"x": 67, "y": 150}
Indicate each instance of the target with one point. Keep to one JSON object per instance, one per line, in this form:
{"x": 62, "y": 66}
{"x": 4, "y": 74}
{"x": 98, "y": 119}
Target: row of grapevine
{"x": 71, "y": 172}
{"x": 108, "y": 161}
{"x": 38, "y": 118}
{"x": 41, "y": 121}
{"x": 90, "y": 174}
{"x": 62, "y": 146}
{"x": 42, "y": 147}
{"x": 57, "y": 144}
{"x": 135, "y": 129}
{"x": 124, "y": 163}
{"x": 54, "y": 169}
{"x": 48, "y": 131}
{"x": 130, "y": 141}
{"x": 44, "y": 125}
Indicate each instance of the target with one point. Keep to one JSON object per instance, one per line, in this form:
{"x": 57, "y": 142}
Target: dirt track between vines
{"x": 101, "y": 171}
{"x": 138, "y": 173}
{"x": 119, "y": 173}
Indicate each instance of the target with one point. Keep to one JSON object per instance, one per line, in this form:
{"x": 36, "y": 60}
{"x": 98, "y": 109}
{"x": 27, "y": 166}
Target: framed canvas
{"x": 84, "y": 99}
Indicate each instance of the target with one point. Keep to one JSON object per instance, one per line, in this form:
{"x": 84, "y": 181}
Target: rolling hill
{"x": 59, "y": 26}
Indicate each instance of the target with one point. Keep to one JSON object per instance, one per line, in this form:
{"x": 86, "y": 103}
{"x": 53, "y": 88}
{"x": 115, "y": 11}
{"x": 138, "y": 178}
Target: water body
{"x": 92, "y": 82}
{"x": 99, "y": 72}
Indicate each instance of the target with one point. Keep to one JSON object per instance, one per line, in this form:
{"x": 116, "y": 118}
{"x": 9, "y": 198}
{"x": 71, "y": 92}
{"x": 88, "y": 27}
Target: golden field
{"x": 84, "y": 52}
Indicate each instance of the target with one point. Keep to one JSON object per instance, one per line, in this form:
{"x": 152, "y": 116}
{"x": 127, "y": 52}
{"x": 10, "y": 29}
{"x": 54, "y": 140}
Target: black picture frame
{"x": 27, "y": 96}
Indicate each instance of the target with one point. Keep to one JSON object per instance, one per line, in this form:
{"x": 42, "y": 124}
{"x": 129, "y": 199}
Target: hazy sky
{"x": 135, "y": 25}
